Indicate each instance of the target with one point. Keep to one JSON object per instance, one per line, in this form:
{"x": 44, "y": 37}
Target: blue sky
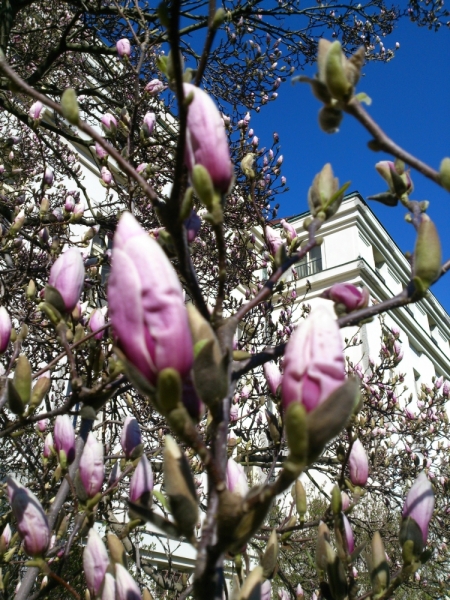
{"x": 410, "y": 101}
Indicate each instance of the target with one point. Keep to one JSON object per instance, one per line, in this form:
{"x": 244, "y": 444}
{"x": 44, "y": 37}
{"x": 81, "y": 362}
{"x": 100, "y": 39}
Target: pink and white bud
{"x": 31, "y": 519}
{"x": 109, "y": 122}
{"x": 69, "y": 203}
{"x": 154, "y": 87}
{"x": 273, "y": 376}
{"x": 67, "y": 276}
{"x": 236, "y": 478}
{"x": 65, "y": 437}
{"x": 123, "y": 47}
{"x": 273, "y": 238}
{"x": 35, "y": 111}
{"x": 345, "y": 501}
{"x": 100, "y": 151}
{"x": 5, "y": 329}
{"x": 206, "y": 139}
{"x": 146, "y": 304}
{"x": 299, "y": 592}
{"x": 313, "y": 361}
{"x": 78, "y": 211}
{"x": 106, "y": 176}
{"x": 149, "y": 124}
{"x": 109, "y": 587}
{"x": 284, "y": 595}
{"x": 419, "y": 504}
{"x": 95, "y": 562}
{"x": 48, "y": 177}
{"x": 266, "y": 590}
{"x": 130, "y": 437}
{"x": 291, "y": 234}
{"x": 358, "y": 464}
{"x": 350, "y": 296}
{"x": 97, "y": 321}
{"x": 115, "y": 474}
{"x": 141, "y": 483}
{"x": 42, "y": 424}
{"x": 126, "y": 587}
{"x": 92, "y": 469}
{"x": 49, "y": 445}
{"x": 6, "y": 537}
{"x": 349, "y": 537}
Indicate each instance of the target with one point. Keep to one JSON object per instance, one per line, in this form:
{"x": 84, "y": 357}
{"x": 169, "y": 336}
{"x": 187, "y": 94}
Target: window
{"x": 311, "y": 263}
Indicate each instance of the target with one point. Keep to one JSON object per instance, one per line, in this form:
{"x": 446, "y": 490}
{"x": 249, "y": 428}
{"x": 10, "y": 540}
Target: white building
{"x": 357, "y": 249}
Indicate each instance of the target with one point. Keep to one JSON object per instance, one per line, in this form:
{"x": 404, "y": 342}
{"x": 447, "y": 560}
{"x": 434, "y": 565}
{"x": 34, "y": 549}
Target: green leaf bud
{"x": 180, "y": 488}
{"x": 269, "y": 559}
{"x": 379, "y": 568}
{"x": 22, "y": 378}
{"x": 335, "y": 73}
{"x": 300, "y": 499}
{"x": 444, "y": 174}
{"x": 297, "y": 432}
{"x": 427, "y": 254}
{"x": 323, "y": 536}
{"x": 336, "y": 500}
{"x": 69, "y": 105}
{"x": 330, "y": 118}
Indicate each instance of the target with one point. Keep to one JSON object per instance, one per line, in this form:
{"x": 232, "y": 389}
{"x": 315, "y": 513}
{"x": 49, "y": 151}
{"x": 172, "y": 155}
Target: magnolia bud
{"x": 427, "y": 255}
{"x": 69, "y": 105}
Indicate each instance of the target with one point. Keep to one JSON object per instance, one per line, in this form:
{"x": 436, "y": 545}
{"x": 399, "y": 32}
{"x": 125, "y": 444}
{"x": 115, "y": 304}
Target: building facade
{"x": 357, "y": 249}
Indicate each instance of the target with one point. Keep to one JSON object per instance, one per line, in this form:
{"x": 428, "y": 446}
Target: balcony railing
{"x": 306, "y": 269}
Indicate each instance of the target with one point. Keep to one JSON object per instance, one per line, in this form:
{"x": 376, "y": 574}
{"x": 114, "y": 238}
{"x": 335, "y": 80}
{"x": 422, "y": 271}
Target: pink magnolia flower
{"x": 349, "y": 537}
{"x": 42, "y": 423}
{"x": 419, "y": 504}
{"x": 109, "y": 122}
{"x": 109, "y": 587}
{"x": 5, "y": 329}
{"x": 273, "y": 239}
{"x": 92, "y": 469}
{"x": 95, "y": 562}
{"x": 123, "y": 47}
{"x": 345, "y": 501}
{"x": 130, "y": 438}
{"x": 31, "y": 519}
{"x": 149, "y": 123}
{"x": 273, "y": 376}
{"x": 146, "y": 304}
{"x": 236, "y": 478}
{"x": 96, "y": 321}
{"x": 67, "y": 276}
{"x": 154, "y": 87}
{"x": 48, "y": 177}
{"x": 206, "y": 139}
{"x": 65, "y": 437}
{"x": 6, "y": 537}
{"x": 141, "y": 483}
{"x": 106, "y": 176}
{"x": 358, "y": 464}
{"x": 127, "y": 588}
{"x": 36, "y": 110}
{"x": 349, "y": 295}
{"x": 299, "y": 591}
{"x": 49, "y": 446}
{"x": 69, "y": 203}
{"x": 313, "y": 361}
{"x": 291, "y": 234}
{"x": 266, "y": 590}
{"x": 100, "y": 151}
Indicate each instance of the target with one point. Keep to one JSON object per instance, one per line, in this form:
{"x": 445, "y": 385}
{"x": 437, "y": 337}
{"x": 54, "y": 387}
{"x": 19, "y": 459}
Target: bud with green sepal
{"x": 378, "y": 566}
{"x": 210, "y": 366}
{"x": 69, "y": 106}
{"x": 270, "y": 556}
{"x": 300, "y": 500}
{"x": 325, "y": 195}
{"x": 180, "y": 488}
{"x": 427, "y": 255}
{"x": 444, "y": 174}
